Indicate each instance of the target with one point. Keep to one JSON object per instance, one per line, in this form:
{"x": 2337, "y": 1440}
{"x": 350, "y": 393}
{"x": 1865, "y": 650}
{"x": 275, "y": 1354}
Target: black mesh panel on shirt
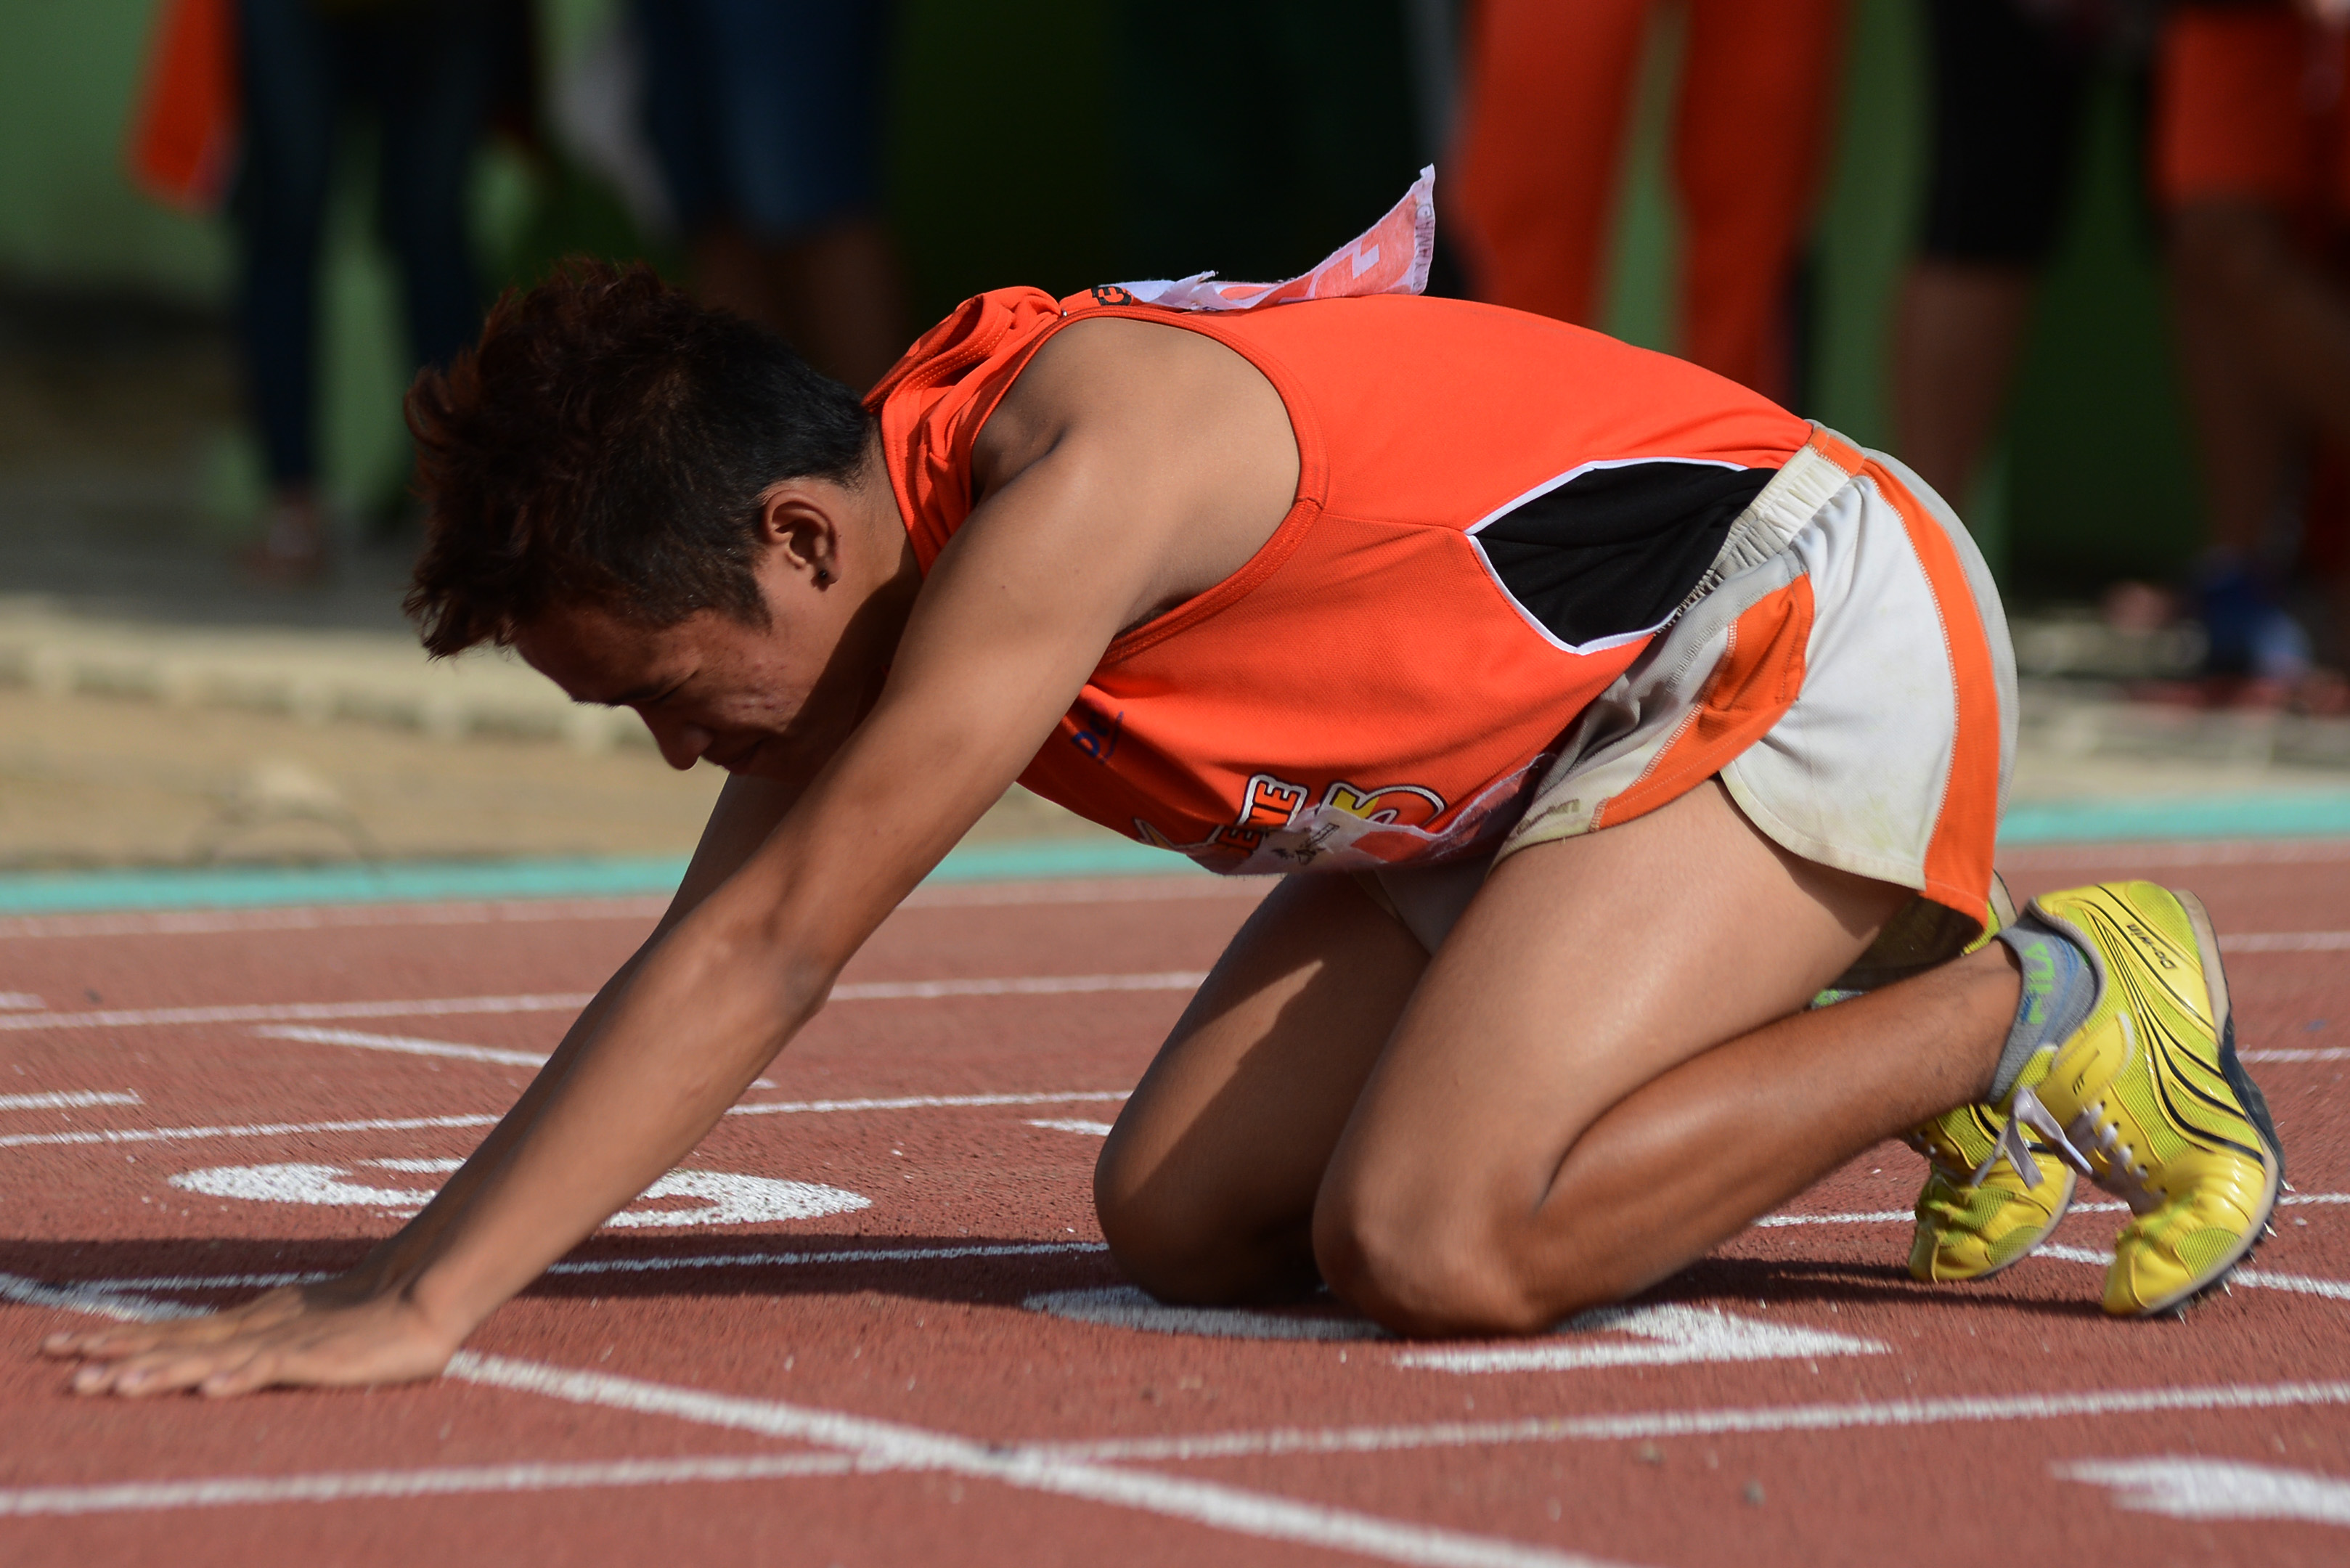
{"x": 1616, "y": 549}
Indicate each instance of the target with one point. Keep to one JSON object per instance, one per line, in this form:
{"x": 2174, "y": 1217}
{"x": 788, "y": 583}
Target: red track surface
{"x": 825, "y": 1397}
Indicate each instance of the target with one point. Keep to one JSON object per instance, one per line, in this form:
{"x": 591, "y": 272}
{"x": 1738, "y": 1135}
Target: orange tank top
{"x": 1494, "y": 513}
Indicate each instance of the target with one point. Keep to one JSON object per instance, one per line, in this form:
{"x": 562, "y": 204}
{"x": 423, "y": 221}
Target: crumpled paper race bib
{"x": 1389, "y": 257}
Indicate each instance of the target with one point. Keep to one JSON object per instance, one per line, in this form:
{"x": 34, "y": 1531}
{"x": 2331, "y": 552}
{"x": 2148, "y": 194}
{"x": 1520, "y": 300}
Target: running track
{"x": 871, "y": 1323}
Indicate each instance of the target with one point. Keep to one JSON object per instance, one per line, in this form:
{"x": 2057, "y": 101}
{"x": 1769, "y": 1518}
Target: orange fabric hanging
{"x": 181, "y": 141}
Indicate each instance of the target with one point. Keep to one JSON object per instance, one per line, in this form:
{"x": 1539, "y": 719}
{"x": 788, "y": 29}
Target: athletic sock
{"x": 2060, "y": 987}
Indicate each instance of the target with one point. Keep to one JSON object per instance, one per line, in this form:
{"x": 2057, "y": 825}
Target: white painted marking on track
{"x": 1091, "y": 1129}
{"x": 69, "y": 1100}
{"x": 838, "y": 1256}
{"x": 403, "y": 1044}
{"x": 413, "y": 1124}
{"x": 2284, "y": 941}
{"x": 572, "y": 1001}
{"x": 532, "y": 911}
{"x": 2297, "y": 1054}
{"x": 1766, "y": 1419}
{"x": 1129, "y": 1306}
{"x": 1669, "y": 1335}
{"x": 410, "y": 1046}
{"x": 2198, "y": 1488}
{"x": 888, "y": 1445}
{"x": 441, "y": 1481}
{"x": 723, "y": 1197}
{"x": 1020, "y": 985}
{"x": 20, "y": 1002}
{"x": 97, "y": 1299}
{"x": 1677, "y": 1336}
{"x": 1904, "y": 1216}
{"x": 2256, "y": 1279}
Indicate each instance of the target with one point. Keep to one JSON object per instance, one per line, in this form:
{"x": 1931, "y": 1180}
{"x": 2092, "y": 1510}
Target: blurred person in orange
{"x": 2251, "y": 155}
{"x": 766, "y": 117}
{"x": 1549, "y": 103}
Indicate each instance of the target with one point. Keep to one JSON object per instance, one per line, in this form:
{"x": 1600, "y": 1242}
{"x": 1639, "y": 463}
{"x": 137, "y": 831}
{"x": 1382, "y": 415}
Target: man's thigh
{"x": 1206, "y": 1186}
{"x": 1584, "y": 969}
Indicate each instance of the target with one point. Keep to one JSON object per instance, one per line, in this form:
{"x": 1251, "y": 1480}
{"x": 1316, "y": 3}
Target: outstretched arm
{"x": 1102, "y": 508}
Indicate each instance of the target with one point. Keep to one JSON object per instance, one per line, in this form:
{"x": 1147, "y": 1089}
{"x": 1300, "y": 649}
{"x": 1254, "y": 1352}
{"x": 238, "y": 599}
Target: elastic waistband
{"x": 1805, "y": 482}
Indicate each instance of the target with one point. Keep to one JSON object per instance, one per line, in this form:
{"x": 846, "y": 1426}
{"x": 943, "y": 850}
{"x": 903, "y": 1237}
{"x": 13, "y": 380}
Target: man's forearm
{"x": 398, "y": 1256}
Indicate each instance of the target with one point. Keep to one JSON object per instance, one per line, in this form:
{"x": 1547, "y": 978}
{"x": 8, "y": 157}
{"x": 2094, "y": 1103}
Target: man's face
{"x": 772, "y": 702}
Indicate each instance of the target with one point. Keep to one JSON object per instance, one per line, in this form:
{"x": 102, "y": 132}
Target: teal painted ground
{"x": 2323, "y": 815}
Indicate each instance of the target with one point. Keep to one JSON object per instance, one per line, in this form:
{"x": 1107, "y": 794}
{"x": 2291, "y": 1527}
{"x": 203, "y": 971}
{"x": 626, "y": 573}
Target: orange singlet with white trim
{"x": 1495, "y": 513}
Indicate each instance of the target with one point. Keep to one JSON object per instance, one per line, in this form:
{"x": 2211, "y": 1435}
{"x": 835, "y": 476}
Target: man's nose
{"x": 681, "y": 745}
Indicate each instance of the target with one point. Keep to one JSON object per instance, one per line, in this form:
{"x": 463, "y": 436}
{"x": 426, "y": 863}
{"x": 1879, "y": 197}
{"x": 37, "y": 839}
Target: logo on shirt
{"x": 1282, "y": 820}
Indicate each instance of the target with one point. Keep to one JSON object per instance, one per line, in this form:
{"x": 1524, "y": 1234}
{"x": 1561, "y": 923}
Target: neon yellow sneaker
{"x": 2149, "y": 1099}
{"x": 1992, "y": 1194}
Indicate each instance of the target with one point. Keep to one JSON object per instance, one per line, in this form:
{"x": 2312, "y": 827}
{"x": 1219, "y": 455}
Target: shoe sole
{"x": 2255, "y": 1103}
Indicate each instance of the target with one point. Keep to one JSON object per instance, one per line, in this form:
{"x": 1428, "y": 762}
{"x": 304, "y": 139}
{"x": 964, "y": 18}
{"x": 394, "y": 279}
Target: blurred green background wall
{"x": 1012, "y": 129}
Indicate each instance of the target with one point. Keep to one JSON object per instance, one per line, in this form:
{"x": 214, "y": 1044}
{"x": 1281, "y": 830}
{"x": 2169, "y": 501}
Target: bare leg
{"x": 2293, "y": 320}
{"x": 848, "y": 297}
{"x": 2239, "y": 425}
{"x": 1604, "y": 1072}
{"x": 1206, "y": 1186}
{"x": 1961, "y": 329}
{"x": 838, "y": 296}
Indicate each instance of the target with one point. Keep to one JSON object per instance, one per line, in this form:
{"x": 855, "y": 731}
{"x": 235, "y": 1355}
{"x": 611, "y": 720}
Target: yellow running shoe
{"x": 1991, "y": 1196}
{"x": 2149, "y": 1099}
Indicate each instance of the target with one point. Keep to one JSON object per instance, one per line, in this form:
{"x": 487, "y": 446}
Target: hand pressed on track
{"x": 313, "y": 1335}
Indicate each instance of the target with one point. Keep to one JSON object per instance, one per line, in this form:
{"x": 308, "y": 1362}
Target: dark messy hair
{"x": 607, "y": 442}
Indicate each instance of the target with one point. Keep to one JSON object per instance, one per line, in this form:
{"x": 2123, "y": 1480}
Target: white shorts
{"x": 1848, "y": 677}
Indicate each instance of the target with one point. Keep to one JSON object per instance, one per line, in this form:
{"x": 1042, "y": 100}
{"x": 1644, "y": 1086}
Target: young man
{"x": 1606, "y": 712}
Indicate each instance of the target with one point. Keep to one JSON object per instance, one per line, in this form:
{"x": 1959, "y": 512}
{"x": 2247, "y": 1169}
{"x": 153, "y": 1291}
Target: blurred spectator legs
{"x": 765, "y": 116}
{"x": 1541, "y": 149}
{"x": 2253, "y": 165}
{"x": 2006, "y": 93}
{"x": 429, "y": 69}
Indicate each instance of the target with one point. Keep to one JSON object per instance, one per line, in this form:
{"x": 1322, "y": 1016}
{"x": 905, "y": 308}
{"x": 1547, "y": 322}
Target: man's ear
{"x": 803, "y": 523}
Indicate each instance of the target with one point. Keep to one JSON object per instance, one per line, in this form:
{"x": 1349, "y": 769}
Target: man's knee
{"x": 1178, "y": 1244}
{"x": 1423, "y": 1265}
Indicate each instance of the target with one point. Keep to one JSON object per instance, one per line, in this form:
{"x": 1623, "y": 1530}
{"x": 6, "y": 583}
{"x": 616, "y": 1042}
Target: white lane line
{"x": 572, "y": 1001}
{"x": 406, "y": 1045}
{"x": 1677, "y": 1336}
{"x": 441, "y": 1481}
{"x": 1707, "y": 1423}
{"x": 874, "y": 1445}
{"x": 2284, "y": 941}
{"x": 2258, "y": 1279}
{"x": 921, "y": 1103}
{"x": 849, "y": 1255}
{"x": 895, "y": 1446}
{"x": 69, "y": 1100}
{"x": 2216, "y": 1489}
{"x": 83, "y": 1136}
{"x": 1904, "y": 1216}
{"x": 231, "y": 1130}
{"x": 19, "y": 1001}
{"x": 293, "y": 1012}
{"x": 2298, "y": 1054}
{"x": 1090, "y": 1129}
{"x": 532, "y": 911}
{"x": 1020, "y": 985}
{"x": 97, "y": 1299}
